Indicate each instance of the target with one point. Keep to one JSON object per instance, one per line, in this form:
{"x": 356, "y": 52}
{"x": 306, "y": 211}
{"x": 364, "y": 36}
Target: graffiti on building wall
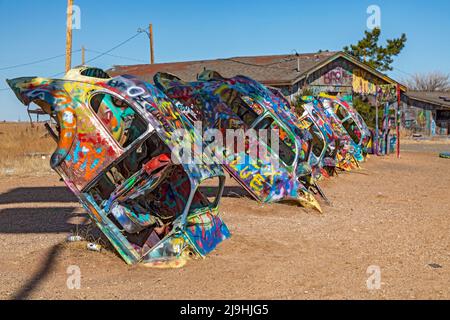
{"x": 345, "y": 78}
{"x": 387, "y": 93}
{"x": 366, "y": 83}
{"x": 337, "y": 73}
{"x": 337, "y": 76}
{"x": 363, "y": 82}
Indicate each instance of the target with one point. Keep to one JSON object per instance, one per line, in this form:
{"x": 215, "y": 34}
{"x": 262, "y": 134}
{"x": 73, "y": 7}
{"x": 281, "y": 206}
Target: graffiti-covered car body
{"x": 342, "y": 148}
{"x": 231, "y": 104}
{"x": 350, "y": 152}
{"x": 366, "y": 133}
{"x": 117, "y": 151}
{"x": 315, "y": 146}
{"x": 322, "y": 157}
{"x": 352, "y": 121}
{"x": 325, "y": 142}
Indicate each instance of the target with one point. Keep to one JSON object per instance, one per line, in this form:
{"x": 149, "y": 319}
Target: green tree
{"x": 377, "y": 56}
{"x": 367, "y": 111}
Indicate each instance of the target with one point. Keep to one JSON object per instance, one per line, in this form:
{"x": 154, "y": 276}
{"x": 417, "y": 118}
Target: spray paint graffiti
{"x": 115, "y": 152}
{"x": 337, "y": 76}
{"x": 118, "y": 151}
{"x": 344, "y": 77}
{"x": 240, "y": 102}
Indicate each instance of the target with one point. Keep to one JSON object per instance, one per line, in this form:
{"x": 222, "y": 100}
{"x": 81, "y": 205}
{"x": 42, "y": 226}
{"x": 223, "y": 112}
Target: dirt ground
{"x": 393, "y": 213}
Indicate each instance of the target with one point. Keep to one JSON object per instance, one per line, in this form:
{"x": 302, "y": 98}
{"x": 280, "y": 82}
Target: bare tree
{"x": 433, "y": 81}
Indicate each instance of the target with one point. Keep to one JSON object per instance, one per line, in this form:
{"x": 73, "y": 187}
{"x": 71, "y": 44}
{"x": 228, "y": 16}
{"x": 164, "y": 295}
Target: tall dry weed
{"x": 24, "y": 149}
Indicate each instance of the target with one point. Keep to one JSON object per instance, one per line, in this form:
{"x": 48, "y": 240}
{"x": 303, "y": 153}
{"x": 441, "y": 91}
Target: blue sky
{"x": 31, "y": 30}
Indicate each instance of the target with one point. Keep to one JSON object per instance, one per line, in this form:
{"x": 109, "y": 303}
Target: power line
{"x": 35, "y": 62}
{"x": 103, "y": 53}
{"x": 55, "y": 57}
{"x": 113, "y": 48}
{"x": 409, "y": 74}
{"x": 32, "y": 63}
{"x": 116, "y": 56}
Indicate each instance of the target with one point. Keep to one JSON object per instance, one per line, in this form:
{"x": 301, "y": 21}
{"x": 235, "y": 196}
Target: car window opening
{"x": 239, "y": 107}
{"x": 286, "y": 144}
{"x": 119, "y": 118}
{"x": 144, "y": 193}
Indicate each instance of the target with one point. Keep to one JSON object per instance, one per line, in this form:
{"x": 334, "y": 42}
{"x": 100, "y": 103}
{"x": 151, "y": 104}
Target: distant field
{"x": 23, "y": 148}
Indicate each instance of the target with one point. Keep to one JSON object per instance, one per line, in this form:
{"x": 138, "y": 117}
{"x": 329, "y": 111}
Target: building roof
{"x": 266, "y": 69}
{"x": 438, "y": 98}
{"x": 270, "y": 70}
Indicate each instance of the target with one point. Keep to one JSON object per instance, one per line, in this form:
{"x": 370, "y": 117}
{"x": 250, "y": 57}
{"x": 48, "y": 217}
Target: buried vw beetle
{"x": 325, "y": 142}
{"x": 351, "y": 120}
{"x": 233, "y": 105}
{"x": 117, "y": 150}
{"x": 341, "y": 148}
{"x": 350, "y": 152}
{"x": 315, "y": 136}
{"x": 322, "y": 157}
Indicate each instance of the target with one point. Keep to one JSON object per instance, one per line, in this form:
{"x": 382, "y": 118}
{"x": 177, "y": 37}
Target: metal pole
{"x": 398, "y": 119}
{"x": 83, "y": 55}
{"x": 376, "y": 127}
{"x": 69, "y": 35}
{"x": 152, "y": 53}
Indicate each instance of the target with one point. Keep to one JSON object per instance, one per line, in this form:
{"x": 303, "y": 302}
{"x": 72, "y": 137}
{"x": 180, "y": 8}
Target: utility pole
{"x": 83, "y": 55}
{"x": 149, "y": 33}
{"x": 152, "y": 53}
{"x": 69, "y": 35}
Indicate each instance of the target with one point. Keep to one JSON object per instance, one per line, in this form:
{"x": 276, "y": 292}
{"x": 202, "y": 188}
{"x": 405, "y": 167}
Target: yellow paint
{"x": 257, "y": 182}
{"x": 244, "y": 174}
{"x": 361, "y": 82}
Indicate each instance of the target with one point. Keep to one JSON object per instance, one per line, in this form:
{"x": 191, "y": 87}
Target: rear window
{"x": 245, "y": 112}
{"x": 353, "y": 130}
{"x": 95, "y": 73}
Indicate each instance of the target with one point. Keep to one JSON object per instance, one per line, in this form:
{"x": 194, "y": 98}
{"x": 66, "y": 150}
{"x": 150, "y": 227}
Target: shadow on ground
{"x": 231, "y": 192}
{"x": 37, "y": 220}
{"x": 25, "y": 291}
{"x": 38, "y": 194}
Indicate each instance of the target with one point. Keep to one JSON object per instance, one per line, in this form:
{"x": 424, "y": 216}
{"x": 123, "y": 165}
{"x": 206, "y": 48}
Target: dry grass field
{"x": 24, "y": 149}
